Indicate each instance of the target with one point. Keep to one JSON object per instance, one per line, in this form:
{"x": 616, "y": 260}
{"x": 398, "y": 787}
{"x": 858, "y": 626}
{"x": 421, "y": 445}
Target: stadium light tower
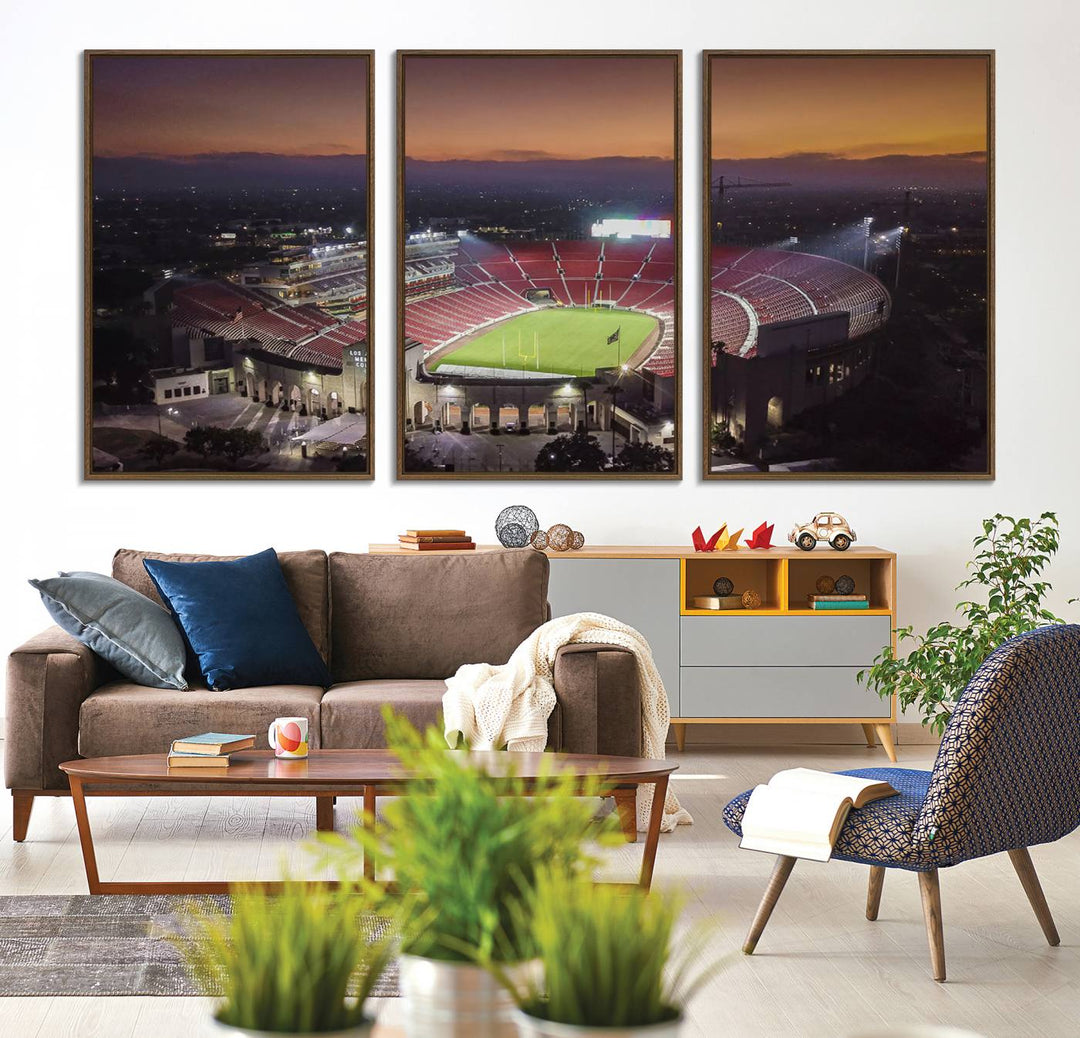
{"x": 867, "y": 221}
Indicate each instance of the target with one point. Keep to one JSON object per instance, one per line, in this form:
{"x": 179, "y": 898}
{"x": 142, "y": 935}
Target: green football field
{"x": 565, "y": 341}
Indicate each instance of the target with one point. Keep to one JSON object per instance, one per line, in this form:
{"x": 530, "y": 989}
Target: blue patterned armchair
{"x": 1006, "y": 777}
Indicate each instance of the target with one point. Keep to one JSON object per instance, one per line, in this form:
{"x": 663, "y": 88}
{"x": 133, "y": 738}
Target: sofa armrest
{"x": 599, "y": 699}
{"x": 47, "y": 680}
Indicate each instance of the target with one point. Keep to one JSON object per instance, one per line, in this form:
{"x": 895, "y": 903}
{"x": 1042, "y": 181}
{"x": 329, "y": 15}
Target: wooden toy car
{"x": 825, "y": 526}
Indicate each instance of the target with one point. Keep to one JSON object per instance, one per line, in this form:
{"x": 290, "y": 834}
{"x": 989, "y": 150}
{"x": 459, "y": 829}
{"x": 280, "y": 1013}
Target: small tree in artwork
{"x": 579, "y": 452}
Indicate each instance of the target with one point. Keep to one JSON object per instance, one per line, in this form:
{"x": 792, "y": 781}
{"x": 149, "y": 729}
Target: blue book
{"x": 213, "y": 744}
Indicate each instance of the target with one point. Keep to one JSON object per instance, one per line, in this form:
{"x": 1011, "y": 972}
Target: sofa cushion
{"x": 352, "y": 712}
{"x": 240, "y": 619}
{"x": 404, "y": 616}
{"x": 122, "y": 718}
{"x": 304, "y": 571}
{"x": 136, "y": 635}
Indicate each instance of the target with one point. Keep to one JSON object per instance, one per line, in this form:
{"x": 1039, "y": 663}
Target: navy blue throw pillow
{"x": 240, "y": 621}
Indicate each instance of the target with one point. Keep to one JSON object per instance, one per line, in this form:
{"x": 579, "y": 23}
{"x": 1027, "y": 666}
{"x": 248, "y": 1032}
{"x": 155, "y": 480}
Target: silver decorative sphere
{"x": 515, "y": 526}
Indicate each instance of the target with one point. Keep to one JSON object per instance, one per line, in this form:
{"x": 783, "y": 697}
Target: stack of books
{"x": 209, "y": 750}
{"x": 436, "y": 540}
{"x": 838, "y": 601}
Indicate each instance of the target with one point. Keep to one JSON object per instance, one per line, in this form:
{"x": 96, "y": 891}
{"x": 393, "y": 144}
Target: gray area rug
{"x": 109, "y": 944}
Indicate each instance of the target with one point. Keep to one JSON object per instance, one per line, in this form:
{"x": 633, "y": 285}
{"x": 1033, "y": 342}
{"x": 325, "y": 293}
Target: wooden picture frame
{"x": 563, "y": 405}
{"x": 764, "y": 426}
{"x": 304, "y": 357}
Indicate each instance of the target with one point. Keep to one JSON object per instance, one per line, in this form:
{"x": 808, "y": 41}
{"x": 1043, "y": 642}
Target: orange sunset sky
{"x": 183, "y": 105}
{"x": 514, "y": 108}
{"x": 854, "y": 107}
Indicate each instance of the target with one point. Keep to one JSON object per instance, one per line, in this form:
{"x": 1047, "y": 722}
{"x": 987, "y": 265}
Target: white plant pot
{"x": 534, "y": 1027}
{"x": 452, "y": 1000}
{"x": 359, "y": 1031}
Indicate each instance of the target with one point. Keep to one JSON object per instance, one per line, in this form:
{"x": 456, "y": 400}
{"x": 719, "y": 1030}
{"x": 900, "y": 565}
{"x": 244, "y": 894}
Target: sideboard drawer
{"x": 778, "y": 692}
{"x": 782, "y": 641}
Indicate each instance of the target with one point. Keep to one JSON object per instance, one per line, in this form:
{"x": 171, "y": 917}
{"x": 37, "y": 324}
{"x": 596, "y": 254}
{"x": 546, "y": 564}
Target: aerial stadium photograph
{"x": 228, "y": 264}
{"x": 849, "y": 259}
{"x": 539, "y": 264}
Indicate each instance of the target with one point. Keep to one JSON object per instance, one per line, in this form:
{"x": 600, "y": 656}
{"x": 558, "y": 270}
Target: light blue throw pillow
{"x": 136, "y": 635}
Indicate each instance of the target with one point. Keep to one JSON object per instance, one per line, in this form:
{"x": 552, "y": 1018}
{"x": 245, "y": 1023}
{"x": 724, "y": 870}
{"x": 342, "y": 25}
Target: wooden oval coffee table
{"x": 327, "y": 774}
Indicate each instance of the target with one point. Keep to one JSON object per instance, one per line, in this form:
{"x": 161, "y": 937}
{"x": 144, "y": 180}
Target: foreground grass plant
{"x": 286, "y": 962}
{"x": 607, "y": 957}
{"x": 466, "y": 847}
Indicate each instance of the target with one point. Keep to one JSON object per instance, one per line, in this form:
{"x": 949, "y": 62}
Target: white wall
{"x": 56, "y": 521}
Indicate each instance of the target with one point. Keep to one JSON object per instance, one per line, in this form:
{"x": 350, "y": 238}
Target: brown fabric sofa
{"x": 391, "y": 629}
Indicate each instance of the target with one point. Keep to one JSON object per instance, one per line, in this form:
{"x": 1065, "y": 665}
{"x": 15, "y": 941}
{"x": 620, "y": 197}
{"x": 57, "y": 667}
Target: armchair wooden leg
{"x": 931, "y": 906}
{"x": 1021, "y": 860}
{"x": 873, "y": 892}
{"x": 781, "y": 871}
{"x": 21, "y": 806}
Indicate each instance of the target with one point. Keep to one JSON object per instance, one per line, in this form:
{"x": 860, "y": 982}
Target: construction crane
{"x": 724, "y": 183}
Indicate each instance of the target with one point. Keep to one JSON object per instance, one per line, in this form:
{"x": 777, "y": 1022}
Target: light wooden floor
{"x": 820, "y": 969}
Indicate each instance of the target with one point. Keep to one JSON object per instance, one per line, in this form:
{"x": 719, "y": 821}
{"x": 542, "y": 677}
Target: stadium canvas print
{"x": 539, "y": 264}
{"x": 228, "y": 265}
{"x": 849, "y": 260}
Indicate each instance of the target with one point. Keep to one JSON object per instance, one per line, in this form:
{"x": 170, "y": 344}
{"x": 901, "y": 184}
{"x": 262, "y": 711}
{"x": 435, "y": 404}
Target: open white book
{"x": 801, "y": 811}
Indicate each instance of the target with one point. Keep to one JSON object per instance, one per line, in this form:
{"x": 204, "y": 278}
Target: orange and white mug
{"x": 288, "y": 737}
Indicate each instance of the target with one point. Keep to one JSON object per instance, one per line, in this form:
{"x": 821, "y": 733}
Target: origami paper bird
{"x": 761, "y": 537}
{"x": 700, "y": 544}
{"x": 733, "y": 541}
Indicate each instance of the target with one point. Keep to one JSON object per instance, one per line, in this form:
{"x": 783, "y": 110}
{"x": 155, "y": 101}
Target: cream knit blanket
{"x": 494, "y": 706}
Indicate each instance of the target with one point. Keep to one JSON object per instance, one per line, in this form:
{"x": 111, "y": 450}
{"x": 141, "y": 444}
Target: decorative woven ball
{"x": 751, "y": 599}
{"x": 515, "y": 526}
{"x": 825, "y": 585}
{"x": 539, "y": 540}
{"x": 723, "y": 586}
{"x": 577, "y": 542}
{"x": 560, "y": 537}
{"x": 845, "y": 585}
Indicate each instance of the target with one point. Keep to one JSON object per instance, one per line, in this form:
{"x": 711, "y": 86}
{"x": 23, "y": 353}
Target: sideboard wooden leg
{"x": 871, "y": 739}
{"x": 680, "y": 736}
{"x": 884, "y": 732}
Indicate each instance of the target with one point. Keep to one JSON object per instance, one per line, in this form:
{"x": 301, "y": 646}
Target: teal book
{"x": 840, "y": 605}
{"x": 211, "y": 744}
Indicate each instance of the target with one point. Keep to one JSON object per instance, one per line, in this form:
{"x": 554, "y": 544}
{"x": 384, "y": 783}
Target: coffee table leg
{"x": 652, "y": 837}
{"x": 324, "y": 814}
{"x": 369, "y": 822}
{"x": 86, "y": 838}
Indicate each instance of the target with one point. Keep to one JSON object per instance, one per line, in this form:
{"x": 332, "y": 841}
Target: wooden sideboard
{"x": 781, "y": 663}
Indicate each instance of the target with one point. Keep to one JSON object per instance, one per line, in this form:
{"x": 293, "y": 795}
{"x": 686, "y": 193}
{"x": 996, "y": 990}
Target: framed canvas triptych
{"x": 846, "y": 274}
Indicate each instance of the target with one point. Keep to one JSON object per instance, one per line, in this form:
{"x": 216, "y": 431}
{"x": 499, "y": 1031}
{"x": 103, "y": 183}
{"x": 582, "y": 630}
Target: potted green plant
{"x": 465, "y": 849}
{"x": 1010, "y": 557}
{"x": 298, "y": 962}
{"x": 607, "y": 966}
